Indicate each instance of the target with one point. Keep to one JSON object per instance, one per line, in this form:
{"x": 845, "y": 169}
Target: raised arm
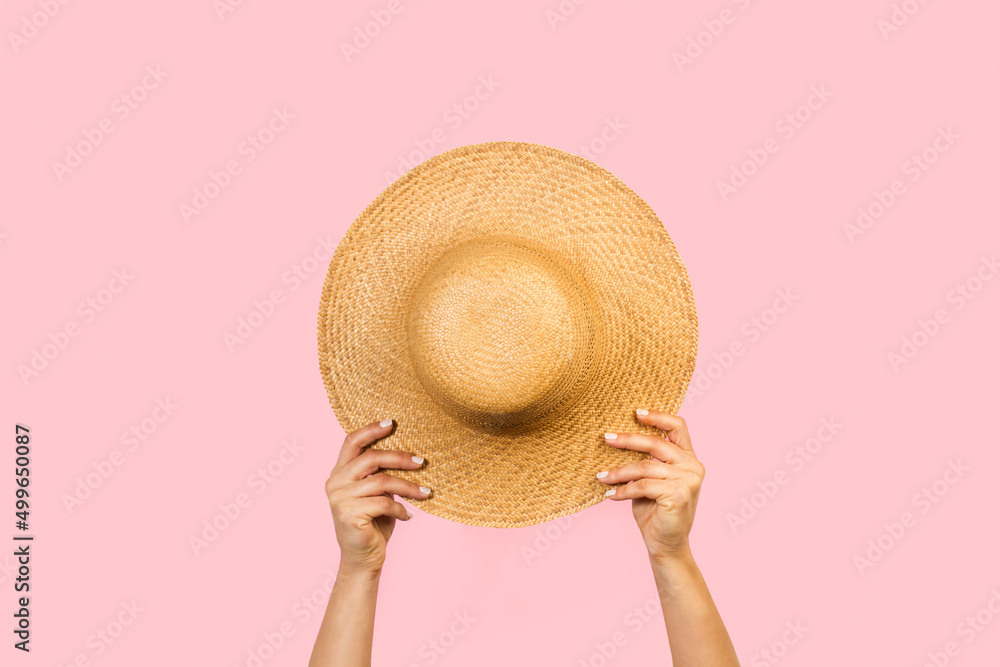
{"x": 664, "y": 494}
{"x": 364, "y": 515}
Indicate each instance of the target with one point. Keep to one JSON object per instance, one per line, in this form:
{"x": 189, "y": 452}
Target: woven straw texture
{"x": 506, "y": 304}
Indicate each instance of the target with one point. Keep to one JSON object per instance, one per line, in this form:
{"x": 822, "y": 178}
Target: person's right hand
{"x": 361, "y": 497}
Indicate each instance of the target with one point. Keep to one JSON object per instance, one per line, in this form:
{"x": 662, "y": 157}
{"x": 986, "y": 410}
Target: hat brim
{"x": 586, "y": 215}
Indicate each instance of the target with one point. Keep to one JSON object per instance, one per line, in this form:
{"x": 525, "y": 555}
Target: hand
{"x": 664, "y": 490}
{"x": 361, "y": 497}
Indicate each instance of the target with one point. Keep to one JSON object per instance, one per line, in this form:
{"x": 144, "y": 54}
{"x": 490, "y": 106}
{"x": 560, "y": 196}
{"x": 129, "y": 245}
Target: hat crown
{"x": 502, "y": 332}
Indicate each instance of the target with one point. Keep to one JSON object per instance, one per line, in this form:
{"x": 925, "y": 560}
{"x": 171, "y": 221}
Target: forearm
{"x": 345, "y": 636}
{"x": 697, "y": 635}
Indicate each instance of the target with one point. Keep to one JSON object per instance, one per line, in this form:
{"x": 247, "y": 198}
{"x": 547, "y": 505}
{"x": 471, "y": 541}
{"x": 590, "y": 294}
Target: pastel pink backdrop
{"x": 556, "y": 593}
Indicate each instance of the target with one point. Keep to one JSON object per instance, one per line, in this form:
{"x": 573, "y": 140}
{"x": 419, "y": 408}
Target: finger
{"x": 376, "y": 459}
{"x": 361, "y": 438}
{"x": 380, "y": 484}
{"x": 643, "y": 488}
{"x": 675, "y": 427}
{"x": 372, "y": 507}
{"x": 660, "y": 448}
{"x": 647, "y": 468}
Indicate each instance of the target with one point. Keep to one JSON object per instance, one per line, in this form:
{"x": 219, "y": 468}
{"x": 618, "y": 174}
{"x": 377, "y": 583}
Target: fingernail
{"x": 642, "y": 412}
{"x": 409, "y": 514}
{"x": 610, "y": 492}
{"x": 610, "y": 436}
{"x": 417, "y": 459}
{"x": 424, "y": 490}
{"x": 385, "y": 423}
{"x": 602, "y": 475}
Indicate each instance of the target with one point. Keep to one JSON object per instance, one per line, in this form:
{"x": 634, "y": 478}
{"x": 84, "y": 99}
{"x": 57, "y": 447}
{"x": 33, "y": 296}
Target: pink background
{"x": 161, "y": 336}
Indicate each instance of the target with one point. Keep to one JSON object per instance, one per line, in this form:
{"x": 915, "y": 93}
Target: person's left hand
{"x": 663, "y": 490}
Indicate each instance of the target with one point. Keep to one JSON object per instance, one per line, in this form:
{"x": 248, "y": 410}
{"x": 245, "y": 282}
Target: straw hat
{"x": 506, "y": 304}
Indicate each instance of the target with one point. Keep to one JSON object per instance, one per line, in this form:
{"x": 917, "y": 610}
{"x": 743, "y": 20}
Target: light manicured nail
{"x": 424, "y": 490}
{"x": 417, "y": 459}
{"x": 602, "y": 475}
{"x": 610, "y": 492}
{"x": 642, "y": 412}
{"x": 409, "y": 514}
{"x": 610, "y": 436}
{"x": 385, "y": 423}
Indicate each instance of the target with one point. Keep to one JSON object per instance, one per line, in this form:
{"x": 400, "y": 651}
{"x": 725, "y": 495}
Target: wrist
{"x": 679, "y": 556}
{"x": 354, "y": 573}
